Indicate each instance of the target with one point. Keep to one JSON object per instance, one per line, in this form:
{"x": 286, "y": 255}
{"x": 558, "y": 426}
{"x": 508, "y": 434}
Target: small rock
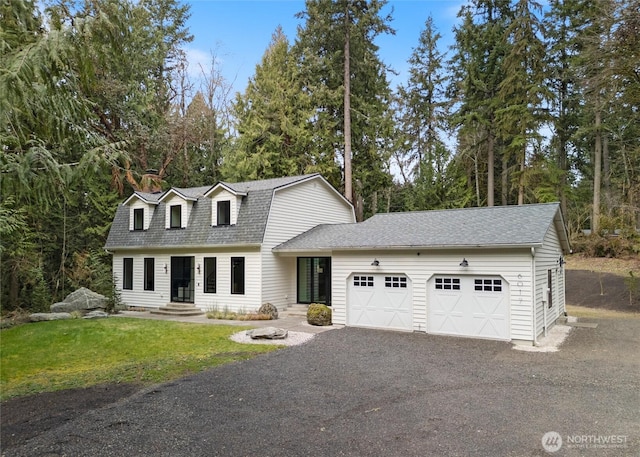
{"x": 96, "y": 314}
{"x": 40, "y": 317}
{"x": 268, "y": 333}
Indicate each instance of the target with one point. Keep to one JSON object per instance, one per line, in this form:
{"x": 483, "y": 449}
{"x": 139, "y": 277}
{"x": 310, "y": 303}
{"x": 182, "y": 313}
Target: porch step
{"x": 178, "y": 309}
{"x": 294, "y": 311}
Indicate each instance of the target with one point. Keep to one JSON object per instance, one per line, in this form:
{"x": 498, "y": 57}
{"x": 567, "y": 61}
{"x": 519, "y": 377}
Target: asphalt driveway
{"x": 357, "y": 392}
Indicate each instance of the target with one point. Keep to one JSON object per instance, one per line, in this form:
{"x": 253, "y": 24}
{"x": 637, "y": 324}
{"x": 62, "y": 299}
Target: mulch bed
{"x": 26, "y": 417}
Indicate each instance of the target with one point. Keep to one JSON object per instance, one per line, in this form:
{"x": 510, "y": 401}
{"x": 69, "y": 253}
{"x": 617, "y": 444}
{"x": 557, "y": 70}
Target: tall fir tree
{"x": 272, "y": 121}
{"x": 478, "y": 70}
{"x": 320, "y": 50}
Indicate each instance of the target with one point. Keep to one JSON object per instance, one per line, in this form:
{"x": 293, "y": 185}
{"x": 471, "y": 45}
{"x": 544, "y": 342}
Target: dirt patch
{"x": 597, "y": 290}
{"x": 26, "y": 417}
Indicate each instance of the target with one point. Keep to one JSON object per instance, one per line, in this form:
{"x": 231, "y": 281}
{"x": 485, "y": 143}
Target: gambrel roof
{"x": 248, "y": 230}
{"x": 497, "y": 226}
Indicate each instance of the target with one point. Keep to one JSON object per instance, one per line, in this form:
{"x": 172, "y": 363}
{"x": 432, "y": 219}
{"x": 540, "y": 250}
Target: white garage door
{"x": 476, "y": 306}
{"x": 380, "y": 301}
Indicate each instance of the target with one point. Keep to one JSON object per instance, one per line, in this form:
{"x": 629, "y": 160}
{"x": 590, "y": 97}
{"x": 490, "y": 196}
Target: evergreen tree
{"x": 273, "y": 117}
{"x": 423, "y": 107}
{"x": 478, "y": 71}
{"x": 320, "y": 50}
{"x": 522, "y": 92}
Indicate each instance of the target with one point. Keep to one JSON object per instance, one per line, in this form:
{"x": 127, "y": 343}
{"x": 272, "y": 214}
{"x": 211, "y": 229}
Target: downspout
{"x": 533, "y": 294}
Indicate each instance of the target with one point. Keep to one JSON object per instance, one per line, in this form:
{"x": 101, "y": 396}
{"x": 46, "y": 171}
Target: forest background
{"x": 527, "y": 105}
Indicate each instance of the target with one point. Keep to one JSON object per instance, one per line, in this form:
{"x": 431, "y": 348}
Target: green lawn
{"x": 47, "y": 356}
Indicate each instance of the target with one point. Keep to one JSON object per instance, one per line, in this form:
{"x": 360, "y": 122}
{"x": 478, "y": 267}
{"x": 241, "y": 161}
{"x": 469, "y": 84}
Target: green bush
{"x": 318, "y": 314}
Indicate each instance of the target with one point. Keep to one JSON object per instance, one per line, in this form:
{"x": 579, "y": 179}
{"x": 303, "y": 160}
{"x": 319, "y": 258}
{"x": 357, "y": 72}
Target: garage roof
{"x": 498, "y": 226}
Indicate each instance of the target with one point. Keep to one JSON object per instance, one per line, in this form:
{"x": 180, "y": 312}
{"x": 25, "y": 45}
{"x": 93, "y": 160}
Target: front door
{"x": 314, "y": 280}
{"x": 182, "y": 279}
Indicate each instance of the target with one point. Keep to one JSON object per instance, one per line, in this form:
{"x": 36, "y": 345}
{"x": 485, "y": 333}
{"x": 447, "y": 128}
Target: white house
{"x": 478, "y": 272}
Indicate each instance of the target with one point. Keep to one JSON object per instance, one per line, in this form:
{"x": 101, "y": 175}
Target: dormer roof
{"x": 146, "y": 197}
{"x": 188, "y": 194}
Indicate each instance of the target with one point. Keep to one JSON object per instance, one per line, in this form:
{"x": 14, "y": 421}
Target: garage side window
{"x": 363, "y": 281}
{"x": 447, "y": 283}
{"x": 487, "y": 285}
{"x": 395, "y": 282}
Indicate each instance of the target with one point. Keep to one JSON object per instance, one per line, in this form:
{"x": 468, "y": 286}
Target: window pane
{"x": 237, "y": 275}
{"x": 176, "y": 216}
{"x": 138, "y": 219}
{"x": 127, "y": 273}
{"x": 210, "y": 275}
{"x": 224, "y": 212}
{"x": 149, "y": 275}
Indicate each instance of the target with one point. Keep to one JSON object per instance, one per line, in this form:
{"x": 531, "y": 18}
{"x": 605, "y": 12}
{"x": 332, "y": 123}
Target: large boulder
{"x": 82, "y": 299}
{"x": 267, "y": 333}
{"x": 269, "y": 309}
{"x": 318, "y": 314}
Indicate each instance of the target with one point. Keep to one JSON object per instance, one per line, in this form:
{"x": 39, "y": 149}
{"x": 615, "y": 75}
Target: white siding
{"x": 547, "y": 258}
{"x": 295, "y": 210}
{"x": 148, "y": 212}
{"x": 139, "y": 297}
{"x": 514, "y": 266}
{"x": 250, "y": 301}
{"x": 223, "y": 297}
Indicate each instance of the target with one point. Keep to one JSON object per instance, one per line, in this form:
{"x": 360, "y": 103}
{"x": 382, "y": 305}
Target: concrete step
{"x": 178, "y": 309}
{"x": 294, "y": 310}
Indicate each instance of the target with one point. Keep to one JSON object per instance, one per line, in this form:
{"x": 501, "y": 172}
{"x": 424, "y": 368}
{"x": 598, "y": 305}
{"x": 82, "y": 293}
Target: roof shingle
{"x": 524, "y": 225}
{"x": 248, "y": 230}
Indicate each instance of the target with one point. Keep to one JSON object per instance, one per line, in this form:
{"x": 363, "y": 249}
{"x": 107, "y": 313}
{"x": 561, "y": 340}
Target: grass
{"x": 65, "y": 354}
{"x": 599, "y": 313}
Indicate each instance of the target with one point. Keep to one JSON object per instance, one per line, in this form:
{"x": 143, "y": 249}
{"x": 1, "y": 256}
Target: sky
{"x": 238, "y": 32}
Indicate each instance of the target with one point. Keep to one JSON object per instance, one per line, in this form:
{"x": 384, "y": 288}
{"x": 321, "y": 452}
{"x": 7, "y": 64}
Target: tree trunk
{"x": 348, "y": 189}
{"x": 597, "y": 175}
{"x": 521, "y": 177}
{"x": 490, "y": 166}
{"x": 504, "y": 191}
{"x": 606, "y": 174}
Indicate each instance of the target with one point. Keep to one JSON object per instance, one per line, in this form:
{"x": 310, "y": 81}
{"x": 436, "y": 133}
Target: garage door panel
{"x": 380, "y": 301}
{"x": 476, "y": 307}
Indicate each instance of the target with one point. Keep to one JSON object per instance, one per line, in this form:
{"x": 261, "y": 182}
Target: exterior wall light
{"x": 375, "y": 263}
{"x": 464, "y": 263}
{"x": 166, "y": 269}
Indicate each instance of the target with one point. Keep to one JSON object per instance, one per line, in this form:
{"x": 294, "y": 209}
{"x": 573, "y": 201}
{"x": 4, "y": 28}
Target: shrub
{"x": 318, "y": 314}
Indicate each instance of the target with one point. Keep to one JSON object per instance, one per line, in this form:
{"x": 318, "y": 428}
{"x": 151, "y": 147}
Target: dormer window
{"x": 138, "y": 219}
{"x": 175, "y": 217}
{"x": 224, "y": 212}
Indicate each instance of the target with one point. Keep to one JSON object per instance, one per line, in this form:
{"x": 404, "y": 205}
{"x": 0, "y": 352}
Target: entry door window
{"x": 182, "y": 279}
{"x": 314, "y": 280}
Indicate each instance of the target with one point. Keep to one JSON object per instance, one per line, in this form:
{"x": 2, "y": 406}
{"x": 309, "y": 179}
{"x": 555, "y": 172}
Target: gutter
{"x": 406, "y": 247}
